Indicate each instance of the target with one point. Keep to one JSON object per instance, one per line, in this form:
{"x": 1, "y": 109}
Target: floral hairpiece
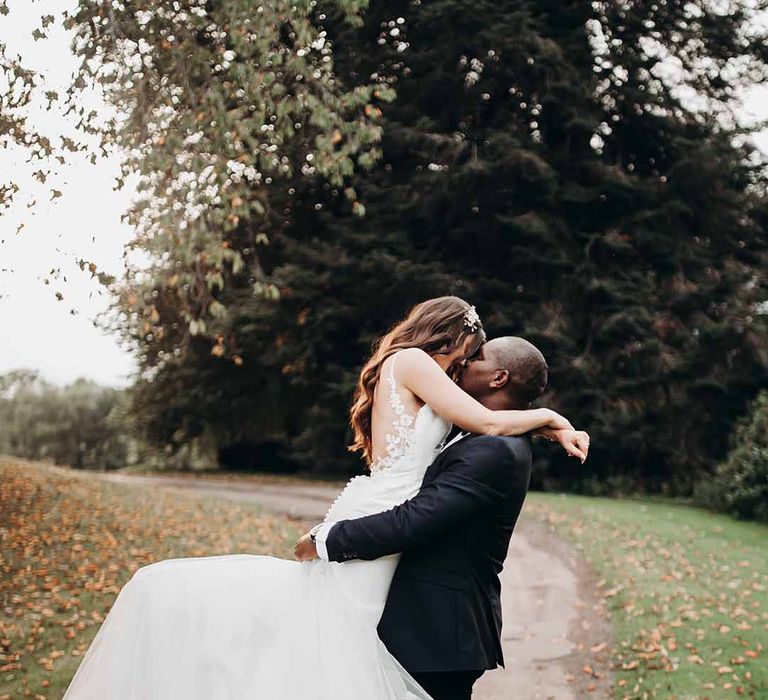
{"x": 471, "y": 319}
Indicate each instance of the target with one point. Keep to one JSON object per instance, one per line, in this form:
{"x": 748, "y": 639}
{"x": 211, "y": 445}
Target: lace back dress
{"x": 252, "y": 627}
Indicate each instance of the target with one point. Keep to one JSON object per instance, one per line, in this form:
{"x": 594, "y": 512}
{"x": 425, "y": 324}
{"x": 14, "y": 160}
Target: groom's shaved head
{"x": 528, "y": 371}
{"x": 507, "y": 372}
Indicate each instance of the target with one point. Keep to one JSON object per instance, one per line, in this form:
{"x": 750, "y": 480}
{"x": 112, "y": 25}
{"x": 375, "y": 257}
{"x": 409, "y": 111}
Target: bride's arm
{"x": 419, "y": 373}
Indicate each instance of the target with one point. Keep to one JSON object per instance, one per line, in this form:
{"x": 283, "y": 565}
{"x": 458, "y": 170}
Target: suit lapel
{"x": 437, "y": 466}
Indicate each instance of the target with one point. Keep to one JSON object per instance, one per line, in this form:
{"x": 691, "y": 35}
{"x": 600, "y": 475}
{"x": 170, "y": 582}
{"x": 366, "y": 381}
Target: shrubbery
{"x": 740, "y": 484}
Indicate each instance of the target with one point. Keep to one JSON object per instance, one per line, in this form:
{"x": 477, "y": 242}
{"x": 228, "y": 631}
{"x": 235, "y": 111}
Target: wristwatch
{"x": 313, "y": 533}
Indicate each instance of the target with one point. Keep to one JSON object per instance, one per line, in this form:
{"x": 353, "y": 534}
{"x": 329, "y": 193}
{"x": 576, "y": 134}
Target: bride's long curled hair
{"x": 436, "y": 326}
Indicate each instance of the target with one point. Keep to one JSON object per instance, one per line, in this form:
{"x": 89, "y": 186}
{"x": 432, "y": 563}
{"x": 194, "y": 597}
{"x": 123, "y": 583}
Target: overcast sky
{"x": 37, "y": 331}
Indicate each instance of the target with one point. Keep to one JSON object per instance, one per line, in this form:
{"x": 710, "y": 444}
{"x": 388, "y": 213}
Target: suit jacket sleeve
{"x": 479, "y": 476}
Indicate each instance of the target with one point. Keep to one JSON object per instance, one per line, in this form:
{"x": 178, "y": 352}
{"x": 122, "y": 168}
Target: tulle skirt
{"x": 252, "y": 627}
{"x": 239, "y": 627}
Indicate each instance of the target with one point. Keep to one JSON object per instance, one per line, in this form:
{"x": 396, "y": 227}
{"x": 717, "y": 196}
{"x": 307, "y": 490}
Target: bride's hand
{"x": 574, "y": 442}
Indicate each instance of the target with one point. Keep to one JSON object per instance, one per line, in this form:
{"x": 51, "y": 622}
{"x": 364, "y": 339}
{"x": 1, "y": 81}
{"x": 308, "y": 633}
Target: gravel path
{"x": 555, "y": 624}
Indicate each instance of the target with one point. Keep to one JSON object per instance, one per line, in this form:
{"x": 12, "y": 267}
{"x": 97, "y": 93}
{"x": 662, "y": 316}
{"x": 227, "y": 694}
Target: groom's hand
{"x": 305, "y": 549}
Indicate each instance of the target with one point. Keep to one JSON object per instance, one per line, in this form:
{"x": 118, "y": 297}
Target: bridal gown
{"x": 252, "y": 627}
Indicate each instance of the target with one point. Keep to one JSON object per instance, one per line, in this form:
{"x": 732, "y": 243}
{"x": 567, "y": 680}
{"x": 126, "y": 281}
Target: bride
{"x": 248, "y": 627}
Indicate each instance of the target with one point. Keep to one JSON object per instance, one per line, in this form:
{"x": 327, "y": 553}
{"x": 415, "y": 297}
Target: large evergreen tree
{"x": 539, "y": 161}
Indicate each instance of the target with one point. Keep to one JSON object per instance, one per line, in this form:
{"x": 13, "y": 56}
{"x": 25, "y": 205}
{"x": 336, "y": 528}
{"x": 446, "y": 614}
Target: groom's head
{"x": 507, "y": 372}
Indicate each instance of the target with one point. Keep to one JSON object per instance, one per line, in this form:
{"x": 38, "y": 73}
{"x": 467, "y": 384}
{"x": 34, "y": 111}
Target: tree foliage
{"x": 541, "y": 163}
{"x": 83, "y": 425}
{"x": 576, "y": 170}
{"x": 222, "y": 107}
{"x": 18, "y": 87}
{"x": 740, "y": 483}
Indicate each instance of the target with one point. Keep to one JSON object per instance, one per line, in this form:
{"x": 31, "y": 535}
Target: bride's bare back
{"x": 394, "y": 411}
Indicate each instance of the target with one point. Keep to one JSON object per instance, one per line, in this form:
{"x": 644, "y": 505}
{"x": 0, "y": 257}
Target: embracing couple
{"x": 396, "y": 595}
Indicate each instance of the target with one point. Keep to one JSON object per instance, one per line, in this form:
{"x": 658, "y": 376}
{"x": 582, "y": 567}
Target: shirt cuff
{"x": 321, "y": 535}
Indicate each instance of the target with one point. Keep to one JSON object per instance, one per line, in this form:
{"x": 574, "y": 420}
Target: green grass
{"x": 69, "y": 542}
{"x": 687, "y": 591}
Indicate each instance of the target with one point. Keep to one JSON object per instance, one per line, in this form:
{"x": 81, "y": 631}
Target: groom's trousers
{"x": 448, "y": 685}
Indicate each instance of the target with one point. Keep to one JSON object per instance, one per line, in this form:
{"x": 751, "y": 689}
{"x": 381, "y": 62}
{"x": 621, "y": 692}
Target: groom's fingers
{"x": 298, "y": 548}
{"x": 304, "y": 549}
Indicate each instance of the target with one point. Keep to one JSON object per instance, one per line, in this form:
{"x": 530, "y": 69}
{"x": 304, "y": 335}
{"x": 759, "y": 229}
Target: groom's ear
{"x": 500, "y": 379}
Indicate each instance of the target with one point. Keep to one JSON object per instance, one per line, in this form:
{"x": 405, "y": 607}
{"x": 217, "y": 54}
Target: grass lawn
{"x": 67, "y": 545}
{"x": 687, "y": 591}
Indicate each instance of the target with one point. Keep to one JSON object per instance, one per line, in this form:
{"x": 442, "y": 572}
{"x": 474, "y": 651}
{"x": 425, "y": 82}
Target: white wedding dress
{"x": 252, "y": 627}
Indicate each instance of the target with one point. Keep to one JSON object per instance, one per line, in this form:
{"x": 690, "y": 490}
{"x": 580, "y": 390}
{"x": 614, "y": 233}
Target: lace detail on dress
{"x": 399, "y": 441}
{"x": 409, "y": 448}
{"x": 403, "y": 433}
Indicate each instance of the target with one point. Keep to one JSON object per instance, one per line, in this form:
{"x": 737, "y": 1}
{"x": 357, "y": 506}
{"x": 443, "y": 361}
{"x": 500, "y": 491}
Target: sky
{"x": 37, "y": 330}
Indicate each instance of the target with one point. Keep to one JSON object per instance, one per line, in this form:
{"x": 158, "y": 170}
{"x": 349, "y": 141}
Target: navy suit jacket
{"x": 443, "y": 611}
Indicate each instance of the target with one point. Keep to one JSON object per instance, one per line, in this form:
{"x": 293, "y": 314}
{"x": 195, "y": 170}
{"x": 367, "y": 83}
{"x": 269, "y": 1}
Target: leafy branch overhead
{"x": 17, "y": 89}
{"x": 224, "y": 106}
{"x": 23, "y": 89}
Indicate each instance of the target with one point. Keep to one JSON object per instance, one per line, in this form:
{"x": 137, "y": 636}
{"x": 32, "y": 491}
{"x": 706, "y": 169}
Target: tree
{"x": 83, "y": 425}
{"x": 221, "y": 107}
{"x": 740, "y": 483}
{"x": 540, "y": 161}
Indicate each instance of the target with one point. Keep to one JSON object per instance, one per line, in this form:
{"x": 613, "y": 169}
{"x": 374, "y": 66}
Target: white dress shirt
{"x": 321, "y": 531}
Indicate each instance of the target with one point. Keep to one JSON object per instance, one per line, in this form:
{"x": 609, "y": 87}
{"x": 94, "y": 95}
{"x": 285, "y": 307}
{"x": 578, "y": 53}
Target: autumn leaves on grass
{"x": 687, "y": 591}
{"x": 68, "y": 543}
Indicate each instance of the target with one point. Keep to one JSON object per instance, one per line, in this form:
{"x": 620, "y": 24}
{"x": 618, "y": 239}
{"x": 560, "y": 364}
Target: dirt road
{"x": 553, "y": 616}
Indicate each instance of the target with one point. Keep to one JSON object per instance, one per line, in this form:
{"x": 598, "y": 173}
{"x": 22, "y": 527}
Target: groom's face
{"x": 478, "y": 372}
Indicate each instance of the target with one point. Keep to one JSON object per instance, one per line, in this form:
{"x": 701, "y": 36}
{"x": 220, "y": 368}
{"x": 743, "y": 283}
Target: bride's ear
{"x": 500, "y": 379}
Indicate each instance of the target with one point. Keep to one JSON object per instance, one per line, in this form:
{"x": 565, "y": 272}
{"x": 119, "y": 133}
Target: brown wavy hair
{"x": 436, "y": 326}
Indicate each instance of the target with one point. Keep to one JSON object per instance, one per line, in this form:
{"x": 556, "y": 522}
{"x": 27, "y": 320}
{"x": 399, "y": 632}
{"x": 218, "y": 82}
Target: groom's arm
{"x": 479, "y": 477}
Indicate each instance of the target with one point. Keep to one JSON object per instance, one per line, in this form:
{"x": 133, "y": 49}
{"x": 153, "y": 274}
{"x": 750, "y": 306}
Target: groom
{"x": 442, "y": 619}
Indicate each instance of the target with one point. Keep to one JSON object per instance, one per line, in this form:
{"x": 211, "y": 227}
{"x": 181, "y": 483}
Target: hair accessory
{"x": 471, "y": 319}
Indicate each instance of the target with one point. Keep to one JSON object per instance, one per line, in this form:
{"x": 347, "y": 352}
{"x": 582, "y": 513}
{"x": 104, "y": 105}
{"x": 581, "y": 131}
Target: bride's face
{"x": 445, "y": 360}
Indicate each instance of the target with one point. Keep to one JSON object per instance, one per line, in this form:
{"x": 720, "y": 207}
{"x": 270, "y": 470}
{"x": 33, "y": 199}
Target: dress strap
{"x": 392, "y": 382}
{"x": 394, "y": 395}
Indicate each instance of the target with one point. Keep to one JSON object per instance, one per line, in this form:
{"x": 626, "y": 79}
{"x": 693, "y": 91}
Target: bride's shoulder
{"x": 413, "y": 355}
{"x": 409, "y": 359}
